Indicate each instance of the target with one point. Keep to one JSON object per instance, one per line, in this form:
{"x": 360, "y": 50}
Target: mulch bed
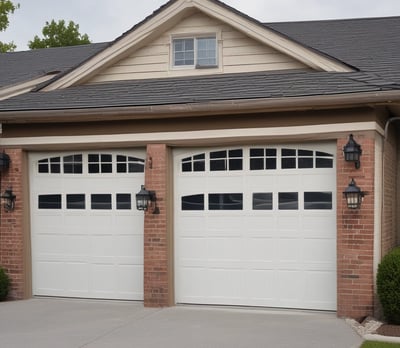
{"x": 389, "y": 330}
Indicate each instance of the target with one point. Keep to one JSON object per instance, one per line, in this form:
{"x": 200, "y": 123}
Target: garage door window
{"x": 261, "y": 159}
{"x": 76, "y": 201}
{"x": 226, "y": 160}
{"x": 288, "y": 201}
{"x": 124, "y": 201}
{"x": 318, "y": 200}
{"x": 49, "y": 202}
{"x": 128, "y": 164}
{"x": 73, "y": 164}
{"x": 100, "y": 163}
{"x": 225, "y": 201}
{"x": 196, "y": 163}
{"x": 262, "y": 201}
{"x": 193, "y": 202}
{"x": 50, "y": 165}
{"x": 101, "y": 201}
{"x": 324, "y": 160}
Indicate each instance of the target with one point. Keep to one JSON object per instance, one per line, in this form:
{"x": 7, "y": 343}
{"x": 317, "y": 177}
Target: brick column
{"x": 355, "y": 233}
{"x": 11, "y": 228}
{"x": 157, "y": 283}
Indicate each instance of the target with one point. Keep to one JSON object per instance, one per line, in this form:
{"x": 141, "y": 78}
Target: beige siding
{"x": 237, "y": 53}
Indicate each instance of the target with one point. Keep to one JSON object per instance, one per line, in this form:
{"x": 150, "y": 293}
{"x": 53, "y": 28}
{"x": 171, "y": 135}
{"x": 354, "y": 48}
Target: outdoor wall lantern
{"x": 352, "y": 151}
{"x": 8, "y": 198}
{"x": 354, "y": 196}
{"x": 147, "y": 199}
{"x": 4, "y": 161}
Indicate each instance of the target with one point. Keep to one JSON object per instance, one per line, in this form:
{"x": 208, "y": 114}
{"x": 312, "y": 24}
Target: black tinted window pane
{"x": 218, "y": 154}
{"x": 199, "y": 157}
{"x": 121, "y": 158}
{"x": 187, "y": 167}
{"x": 194, "y": 202}
{"x": 136, "y": 167}
{"x": 43, "y": 166}
{"x": 270, "y": 163}
{"x": 49, "y": 202}
{"x": 124, "y": 201}
{"x": 324, "y": 163}
{"x": 288, "y": 163}
{"x": 225, "y": 201}
{"x": 270, "y": 152}
{"x": 106, "y": 168}
{"x": 262, "y": 201}
{"x": 305, "y": 153}
{"x": 121, "y": 167}
{"x": 256, "y": 163}
{"x": 306, "y": 162}
{"x": 199, "y": 166}
{"x": 323, "y": 154}
{"x": 288, "y": 201}
{"x": 55, "y": 166}
{"x": 106, "y": 158}
{"x": 93, "y": 158}
{"x": 288, "y": 152}
{"x": 218, "y": 165}
{"x": 235, "y": 164}
{"x": 318, "y": 200}
{"x": 256, "y": 152}
{"x": 94, "y": 168}
{"x": 101, "y": 201}
{"x": 76, "y": 201}
{"x": 236, "y": 153}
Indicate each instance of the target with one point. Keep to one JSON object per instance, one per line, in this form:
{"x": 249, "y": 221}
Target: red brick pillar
{"x": 355, "y": 233}
{"x": 11, "y": 228}
{"x": 157, "y": 283}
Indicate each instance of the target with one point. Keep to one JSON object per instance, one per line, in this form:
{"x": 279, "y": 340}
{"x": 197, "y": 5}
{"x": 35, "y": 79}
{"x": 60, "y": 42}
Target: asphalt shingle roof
{"x": 370, "y": 45}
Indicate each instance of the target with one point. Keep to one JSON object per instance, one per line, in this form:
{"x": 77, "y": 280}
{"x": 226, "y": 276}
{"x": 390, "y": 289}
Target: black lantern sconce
{"x": 354, "y": 196}
{"x": 147, "y": 199}
{"x": 352, "y": 151}
{"x": 8, "y": 198}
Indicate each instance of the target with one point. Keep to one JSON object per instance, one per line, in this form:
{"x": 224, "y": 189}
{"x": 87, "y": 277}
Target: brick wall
{"x": 355, "y": 228}
{"x": 11, "y": 228}
{"x": 157, "y": 284}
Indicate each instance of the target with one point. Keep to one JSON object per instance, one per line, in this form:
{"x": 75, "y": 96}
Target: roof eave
{"x": 211, "y": 108}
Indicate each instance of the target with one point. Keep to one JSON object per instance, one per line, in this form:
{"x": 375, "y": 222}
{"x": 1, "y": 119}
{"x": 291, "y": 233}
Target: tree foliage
{"x": 58, "y": 34}
{"x": 7, "y": 7}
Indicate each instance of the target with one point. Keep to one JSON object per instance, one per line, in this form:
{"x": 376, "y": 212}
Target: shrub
{"x": 388, "y": 283}
{"x": 4, "y": 284}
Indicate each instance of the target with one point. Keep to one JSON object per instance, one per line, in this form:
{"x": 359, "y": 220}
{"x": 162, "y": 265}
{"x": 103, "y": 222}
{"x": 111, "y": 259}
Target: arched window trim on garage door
{"x": 258, "y": 158}
{"x": 91, "y": 163}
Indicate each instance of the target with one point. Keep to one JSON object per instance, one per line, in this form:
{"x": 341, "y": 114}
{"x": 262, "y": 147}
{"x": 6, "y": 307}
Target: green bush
{"x": 4, "y": 284}
{"x": 388, "y": 282}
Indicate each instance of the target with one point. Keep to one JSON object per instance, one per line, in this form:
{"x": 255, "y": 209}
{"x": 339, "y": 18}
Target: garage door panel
{"x": 85, "y": 225}
{"x": 280, "y": 239}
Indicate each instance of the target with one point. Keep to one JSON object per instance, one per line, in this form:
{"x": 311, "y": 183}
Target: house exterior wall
{"x": 237, "y": 53}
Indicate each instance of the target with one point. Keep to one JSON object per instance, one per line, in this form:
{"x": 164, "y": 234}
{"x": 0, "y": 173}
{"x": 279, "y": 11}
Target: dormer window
{"x": 195, "y": 52}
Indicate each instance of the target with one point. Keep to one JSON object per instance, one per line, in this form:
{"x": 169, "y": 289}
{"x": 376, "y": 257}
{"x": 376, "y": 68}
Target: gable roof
{"x": 368, "y": 44}
{"x": 172, "y": 12}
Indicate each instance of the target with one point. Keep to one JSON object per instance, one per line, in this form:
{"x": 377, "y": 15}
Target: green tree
{"x": 7, "y": 7}
{"x": 59, "y": 35}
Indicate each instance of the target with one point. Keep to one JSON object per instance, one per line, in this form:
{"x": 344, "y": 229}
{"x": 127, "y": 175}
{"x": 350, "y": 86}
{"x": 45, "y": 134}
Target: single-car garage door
{"x": 256, "y": 226}
{"x": 87, "y": 236}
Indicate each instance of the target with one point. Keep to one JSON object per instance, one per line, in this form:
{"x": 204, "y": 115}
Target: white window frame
{"x": 195, "y": 38}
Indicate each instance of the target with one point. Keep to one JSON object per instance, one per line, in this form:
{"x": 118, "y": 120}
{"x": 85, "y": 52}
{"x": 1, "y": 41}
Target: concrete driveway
{"x": 59, "y": 323}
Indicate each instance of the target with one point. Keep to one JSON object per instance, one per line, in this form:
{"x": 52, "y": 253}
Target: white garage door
{"x": 256, "y": 226}
{"x": 87, "y": 236}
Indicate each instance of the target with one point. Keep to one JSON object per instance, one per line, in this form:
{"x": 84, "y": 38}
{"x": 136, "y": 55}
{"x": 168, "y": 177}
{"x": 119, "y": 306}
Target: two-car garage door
{"x": 256, "y": 226}
{"x": 87, "y": 236}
